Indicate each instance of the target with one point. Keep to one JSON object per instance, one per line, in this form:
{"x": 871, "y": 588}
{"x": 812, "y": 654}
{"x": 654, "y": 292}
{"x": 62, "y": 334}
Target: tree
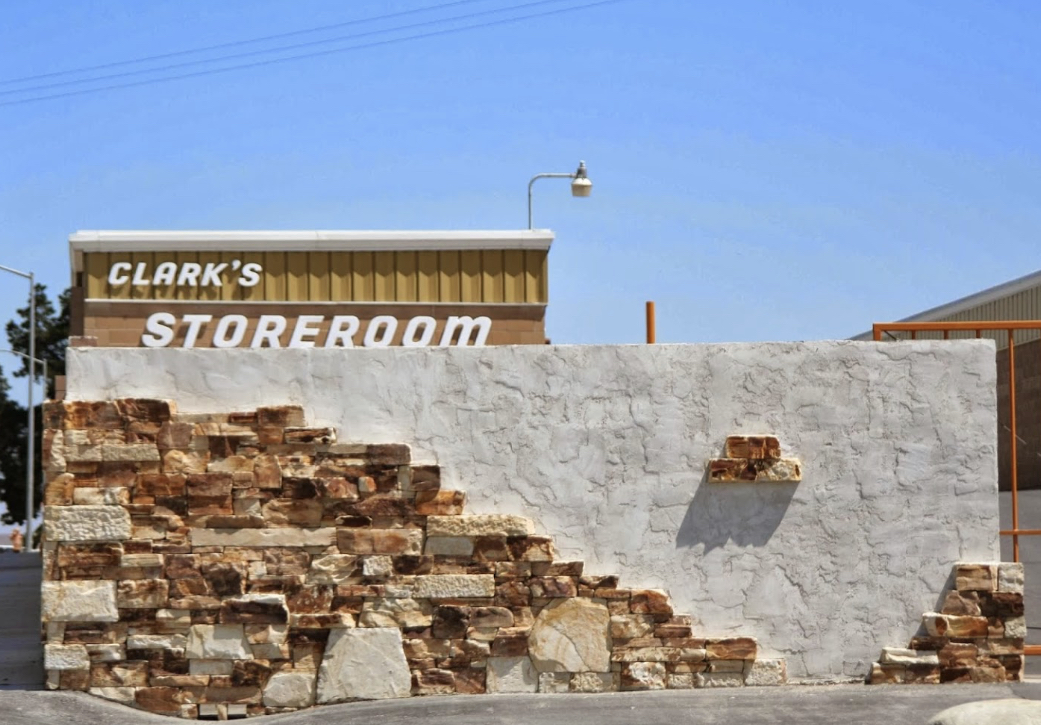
{"x": 52, "y": 335}
{"x": 12, "y": 455}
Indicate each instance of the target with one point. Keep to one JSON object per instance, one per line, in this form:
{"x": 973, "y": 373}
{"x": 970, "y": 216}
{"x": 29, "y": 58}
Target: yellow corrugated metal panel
{"x": 513, "y": 275}
{"x": 449, "y": 277}
{"x": 275, "y": 276}
{"x": 319, "y": 277}
{"x": 96, "y": 266}
{"x": 144, "y": 261}
{"x": 363, "y": 278}
{"x": 340, "y": 276}
{"x": 492, "y": 289}
{"x": 470, "y": 276}
{"x": 478, "y": 276}
{"x": 165, "y": 291}
{"x": 406, "y": 277}
{"x": 383, "y": 280}
{"x": 256, "y": 292}
{"x": 296, "y": 276}
{"x": 427, "y": 277}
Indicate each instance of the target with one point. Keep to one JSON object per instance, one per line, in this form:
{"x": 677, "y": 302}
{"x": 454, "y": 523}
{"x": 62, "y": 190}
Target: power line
{"x": 257, "y": 64}
{"x": 278, "y": 49}
{"x": 236, "y": 43}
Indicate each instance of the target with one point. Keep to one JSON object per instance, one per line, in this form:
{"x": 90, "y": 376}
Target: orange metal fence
{"x": 976, "y": 329}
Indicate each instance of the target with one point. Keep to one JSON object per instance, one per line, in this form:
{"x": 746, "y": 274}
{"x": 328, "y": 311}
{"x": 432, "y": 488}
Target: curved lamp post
{"x": 580, "y": 186}
{"x": 29, "y": 478}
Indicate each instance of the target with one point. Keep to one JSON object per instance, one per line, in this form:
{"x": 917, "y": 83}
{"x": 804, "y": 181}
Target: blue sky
{"x": 762, "y": 170}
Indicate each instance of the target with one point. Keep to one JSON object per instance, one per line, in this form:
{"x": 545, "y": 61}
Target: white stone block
{"x": 1010, "y": 577}
{"x": 901, "y": 656}
{"x": 290, "y": 689}
{"x": 363, "y": 664}
{"x": 65, "y": 657}
{"x": 122, "y": 695}
{"x": 79, "y": 600}
{"x": 767, "y": 673}
{"x": 457, "y": 586}
{"x": 106, "y": 652}
{"x": 157, "y": 641}
{"x": 512, "y": 674}
{"x": 480, "y": 525}
{"x": 218, "y": 642}
{"x": 86, "y": 523}
{"x": 113, "y": 496}
{"x": 285, "y": 536}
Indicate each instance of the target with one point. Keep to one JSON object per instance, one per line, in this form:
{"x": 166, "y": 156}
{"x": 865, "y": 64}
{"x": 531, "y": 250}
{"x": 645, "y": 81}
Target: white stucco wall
{"x": 605, "y": 447}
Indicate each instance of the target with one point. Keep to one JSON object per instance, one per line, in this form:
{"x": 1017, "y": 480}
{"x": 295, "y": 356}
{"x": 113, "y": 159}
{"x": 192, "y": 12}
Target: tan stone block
{"x": 758, "y": 446}
{"x": 276, "y": 537}
{"x": 731, "y": 648}
{"x": 480, "y": 525}
{"x": 961, "y": 603}
{"x": 975, "y": 577}
{"x": 142, "y": 594}
{"x": 553, "y": 586}
{"x": 650, "y": 601}
{"x": 440, "y": 503}
{"x": 592, "y": 682}
{"x": 642, "y": 676}
{"x": 288, "y": 512}
{"x": 531, "y": 548}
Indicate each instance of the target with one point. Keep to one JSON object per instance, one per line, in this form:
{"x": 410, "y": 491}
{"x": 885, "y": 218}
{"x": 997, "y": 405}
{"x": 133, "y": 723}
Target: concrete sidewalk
{"x": 802, "y": 705}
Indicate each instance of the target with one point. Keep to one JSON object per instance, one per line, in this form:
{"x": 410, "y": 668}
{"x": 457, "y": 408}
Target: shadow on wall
{"x": 746, "y": 513}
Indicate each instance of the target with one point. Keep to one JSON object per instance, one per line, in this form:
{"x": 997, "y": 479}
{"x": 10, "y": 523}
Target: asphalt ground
{"x": 804, "y": 705}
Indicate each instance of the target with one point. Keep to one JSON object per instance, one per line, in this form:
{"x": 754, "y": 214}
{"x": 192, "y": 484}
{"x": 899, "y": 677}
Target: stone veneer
{"x": 977, "y": 636}
{"x": 218, "y": 566}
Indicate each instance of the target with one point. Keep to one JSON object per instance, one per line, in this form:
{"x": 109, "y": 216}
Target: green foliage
{"x": 52, "y": 333}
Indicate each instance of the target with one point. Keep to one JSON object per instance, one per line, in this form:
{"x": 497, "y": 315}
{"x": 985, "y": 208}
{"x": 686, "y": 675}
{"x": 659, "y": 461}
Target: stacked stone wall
{"x": 219, "y": 566}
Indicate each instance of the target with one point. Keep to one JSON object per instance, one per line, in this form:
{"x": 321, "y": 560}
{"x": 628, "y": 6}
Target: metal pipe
{"x": 651, "y": 331}
{"x": 1012, "y": 441}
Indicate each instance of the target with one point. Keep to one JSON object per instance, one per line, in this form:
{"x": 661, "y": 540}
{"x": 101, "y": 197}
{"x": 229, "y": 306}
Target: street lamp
{"x": 32, "y": 413}
{"x": 580, "y": 186}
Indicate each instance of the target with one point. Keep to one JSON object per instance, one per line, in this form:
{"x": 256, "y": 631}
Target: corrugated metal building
{"x": 1019, "y": 299}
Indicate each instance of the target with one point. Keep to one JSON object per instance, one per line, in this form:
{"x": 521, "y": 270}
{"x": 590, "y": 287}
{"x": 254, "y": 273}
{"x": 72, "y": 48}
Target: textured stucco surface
{"x": 605, "y": 447}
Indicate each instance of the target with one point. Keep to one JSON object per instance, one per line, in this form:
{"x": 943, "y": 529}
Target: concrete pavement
{"x": 805, "y": 705}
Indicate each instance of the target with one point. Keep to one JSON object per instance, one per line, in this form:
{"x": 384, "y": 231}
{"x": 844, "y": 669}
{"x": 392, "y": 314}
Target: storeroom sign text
{"x": 307, "y": 331}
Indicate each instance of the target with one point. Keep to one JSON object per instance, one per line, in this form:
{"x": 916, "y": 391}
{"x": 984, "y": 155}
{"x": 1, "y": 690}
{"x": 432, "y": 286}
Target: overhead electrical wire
{"x": 276, "y": 49}
{"x": 237, "y": 43}
{"x": 301, "y": 56}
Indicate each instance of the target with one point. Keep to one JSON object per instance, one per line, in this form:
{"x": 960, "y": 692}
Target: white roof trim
{"x": 1005, "y": 289}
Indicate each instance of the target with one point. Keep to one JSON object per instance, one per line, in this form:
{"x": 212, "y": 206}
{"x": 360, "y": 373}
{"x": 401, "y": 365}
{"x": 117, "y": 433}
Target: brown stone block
{"x": 958, "y": 655}
{"x": 975, "y": 577}
{"x": 509, "y": 643}
{"x": 491, "y": 617}
{"x": 1002, "y": 646}
{"x": 144, "y": 409}
{"x": 142, "y": 594}
{"x": 83, "y": 415}
{"x": 388, "y": 454}
{"x": 426, "y": 478}
{"x": 553, "y": 586}
{"x": 649, "y": 601}
{"x": 53, "y": 414}
{"x": 74, "y": 679}
{"x": 967, "y": 626}
{"x": 557, "y": 568}
{"x": 293, "y": 512}
{"x": 961, "y": 604}
{"x": 672, "y": 631}
{"x": 95, "y": 633}
{"x": 185, "y": 462}
{"x": 89, "y": 555}
{"x": 244, "y": 419}
{"x": 118, "y": 475}
{"x": 752, "y": 447}
{"x": 59, "y": 491}
{"x": 226, "y": 521}
{"x": 512, "y": 570}
{"x": 239, "y": 611}
{"x": 955, "y": 674}
{"x": 383, "y": 505}
{"x": 181, "y": 566}
{"x": 295, "y": 487}
{"x": 337, "y": 487}
{"x": 470, "y": 681}
{"x": 922, "y": 675}
{"x": 433, "y": 682}
{"x": 250, "y": 673}
{"x": 173, "y": 434}
{"x": 411, "y": 564}
{"x": 321, "y": 436}
{"x": 731, "y": 648}
{"x": 439, "y": 502}
{"x": 512, "y": 594}
{"x": 286, "y": 561}
{"x": 1005, "y": 605}
{"x": 226, "y": 579}
{"x": 119, "y": 674}
{"x": 281, "y": 416}
{"x": 159, "y": 485}
{"x": 530, "y": 548}
{"x": 490, "y": 548}
{"x": 450, "y": 622}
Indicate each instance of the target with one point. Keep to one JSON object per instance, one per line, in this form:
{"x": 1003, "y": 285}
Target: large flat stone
{"x": 65, "y": 657}
{"x": 290, "y": 689}
{"x": 571, "y": 635}
{"x": 445, "y": 586}
{"x": 991, "y": 712}
{"x": 363, "y": 664}
{"x": 218, "y": 642}
{"x": 263, "y": 537}
{"x": 79, "y": 601}
{"x": 86, "y": 523}
{"x": 480, "y": 525}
